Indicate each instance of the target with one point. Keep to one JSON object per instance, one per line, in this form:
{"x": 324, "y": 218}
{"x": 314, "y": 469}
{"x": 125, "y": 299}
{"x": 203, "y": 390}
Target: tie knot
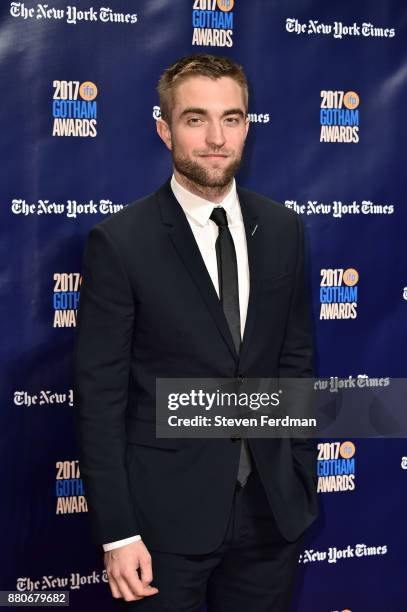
{"x": 219, "y": 216}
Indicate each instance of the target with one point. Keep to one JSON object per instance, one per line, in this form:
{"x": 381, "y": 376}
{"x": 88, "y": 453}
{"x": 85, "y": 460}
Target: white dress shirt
{"x": 197, "y": 211}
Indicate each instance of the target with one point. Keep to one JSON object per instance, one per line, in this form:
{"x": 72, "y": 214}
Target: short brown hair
{"x": 203, "y": 64}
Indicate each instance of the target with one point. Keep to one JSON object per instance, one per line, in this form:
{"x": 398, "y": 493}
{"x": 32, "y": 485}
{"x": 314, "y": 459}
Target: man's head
{"x": 204, "y": 101}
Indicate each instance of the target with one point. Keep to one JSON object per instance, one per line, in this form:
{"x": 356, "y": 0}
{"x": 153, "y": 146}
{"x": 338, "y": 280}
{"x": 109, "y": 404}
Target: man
{"x": 200, "y": 279}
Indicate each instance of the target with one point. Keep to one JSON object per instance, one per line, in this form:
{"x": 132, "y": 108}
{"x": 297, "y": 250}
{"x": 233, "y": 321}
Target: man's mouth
{"x": 214, "y": 155}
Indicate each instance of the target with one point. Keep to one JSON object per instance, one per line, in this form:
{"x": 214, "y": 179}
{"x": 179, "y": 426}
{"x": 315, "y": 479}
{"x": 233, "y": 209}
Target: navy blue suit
{"x": 148, "y": 309}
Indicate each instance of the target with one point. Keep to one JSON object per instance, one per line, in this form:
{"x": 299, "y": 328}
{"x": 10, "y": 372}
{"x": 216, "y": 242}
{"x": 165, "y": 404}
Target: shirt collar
{"x": 199, "y": 209}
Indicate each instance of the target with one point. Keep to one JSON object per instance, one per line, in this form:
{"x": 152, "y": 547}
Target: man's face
{"x": 207, "y": 131}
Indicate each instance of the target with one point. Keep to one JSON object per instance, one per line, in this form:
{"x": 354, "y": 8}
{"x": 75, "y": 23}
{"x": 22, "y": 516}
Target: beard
{"x": 217, "y": 177}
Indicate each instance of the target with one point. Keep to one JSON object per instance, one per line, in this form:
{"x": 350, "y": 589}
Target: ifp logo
{"x": 225, "y": 5}
{"x": 88, "y": 90}
{"x": 347, "y": 450}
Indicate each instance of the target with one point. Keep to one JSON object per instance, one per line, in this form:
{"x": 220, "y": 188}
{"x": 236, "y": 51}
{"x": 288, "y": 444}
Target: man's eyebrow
{"x": 234, "y": 111}
{"x": 201, "y": 111}
{"x": 193, "y": 110}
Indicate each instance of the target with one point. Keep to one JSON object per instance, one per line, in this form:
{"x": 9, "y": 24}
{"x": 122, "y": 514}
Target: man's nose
{"x": 214, "y": 134}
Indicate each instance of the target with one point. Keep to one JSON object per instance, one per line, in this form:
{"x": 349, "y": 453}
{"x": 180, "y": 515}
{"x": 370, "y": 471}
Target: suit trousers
{"x": 253, "y": 569}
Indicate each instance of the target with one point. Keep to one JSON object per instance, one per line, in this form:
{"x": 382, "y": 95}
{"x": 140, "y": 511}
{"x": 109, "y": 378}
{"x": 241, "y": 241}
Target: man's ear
{"x": 164, "y": 132}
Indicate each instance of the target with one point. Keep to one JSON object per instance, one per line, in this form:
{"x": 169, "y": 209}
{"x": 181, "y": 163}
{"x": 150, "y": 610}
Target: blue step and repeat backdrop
{"x": 78, "y": 142}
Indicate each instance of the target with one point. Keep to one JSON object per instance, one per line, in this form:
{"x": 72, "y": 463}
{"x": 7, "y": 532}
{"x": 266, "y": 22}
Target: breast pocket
{"x": 277, "y": 282}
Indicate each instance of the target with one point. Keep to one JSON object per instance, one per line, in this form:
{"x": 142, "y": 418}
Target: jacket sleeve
{"x": 102, "y": 355}
{"x": 296, "y": 357}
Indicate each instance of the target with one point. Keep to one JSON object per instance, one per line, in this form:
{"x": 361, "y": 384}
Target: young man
{"x": 201, "y": 279}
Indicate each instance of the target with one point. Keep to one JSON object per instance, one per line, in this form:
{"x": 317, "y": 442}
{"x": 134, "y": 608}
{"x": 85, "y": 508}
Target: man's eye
{"x": 194, "y": 121}
{"x": 232, "y": 120}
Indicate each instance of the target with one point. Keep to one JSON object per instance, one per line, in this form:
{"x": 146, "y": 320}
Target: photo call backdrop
{"x": 327, "y": 109}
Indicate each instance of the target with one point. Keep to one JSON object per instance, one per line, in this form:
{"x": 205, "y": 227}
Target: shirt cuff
{"x": 118, "y": 543}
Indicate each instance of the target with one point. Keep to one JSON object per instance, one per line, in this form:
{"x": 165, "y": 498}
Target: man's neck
{"x": 212, "y": 194}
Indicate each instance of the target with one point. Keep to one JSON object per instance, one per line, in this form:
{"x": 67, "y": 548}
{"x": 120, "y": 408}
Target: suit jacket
{"x": 148, "y": 309}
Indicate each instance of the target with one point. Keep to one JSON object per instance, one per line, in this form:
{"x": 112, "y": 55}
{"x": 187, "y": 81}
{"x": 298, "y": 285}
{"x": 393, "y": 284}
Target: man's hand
{"x": 121, "y": 566}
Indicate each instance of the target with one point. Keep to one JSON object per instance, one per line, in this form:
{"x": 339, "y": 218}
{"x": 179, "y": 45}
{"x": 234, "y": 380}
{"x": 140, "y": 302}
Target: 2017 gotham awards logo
{"x": 339, "y": 116}
{"x": 336, "y": 466}
{"x": 66, "y": 298}
{"x": 69, "y": 488}
{"x": 74, "y": 109}
{"x": 338, "y": 293}
{"x": 212, "y": 22}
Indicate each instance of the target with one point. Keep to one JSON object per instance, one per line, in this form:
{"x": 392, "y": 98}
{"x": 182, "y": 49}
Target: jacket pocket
{"x": 143, "y": 433}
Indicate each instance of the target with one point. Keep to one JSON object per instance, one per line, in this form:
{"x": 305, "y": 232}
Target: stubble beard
{"x": 203, "y": 180}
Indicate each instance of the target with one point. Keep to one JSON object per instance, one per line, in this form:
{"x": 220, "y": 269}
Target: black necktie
{"x": 229, "y": 296}
{"x": 227, "y": 274}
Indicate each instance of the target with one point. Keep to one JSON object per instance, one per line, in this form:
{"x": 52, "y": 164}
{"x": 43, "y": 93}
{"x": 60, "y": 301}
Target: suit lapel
{"x": 252, "y": 224}
{"x": 183, "y": 240}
